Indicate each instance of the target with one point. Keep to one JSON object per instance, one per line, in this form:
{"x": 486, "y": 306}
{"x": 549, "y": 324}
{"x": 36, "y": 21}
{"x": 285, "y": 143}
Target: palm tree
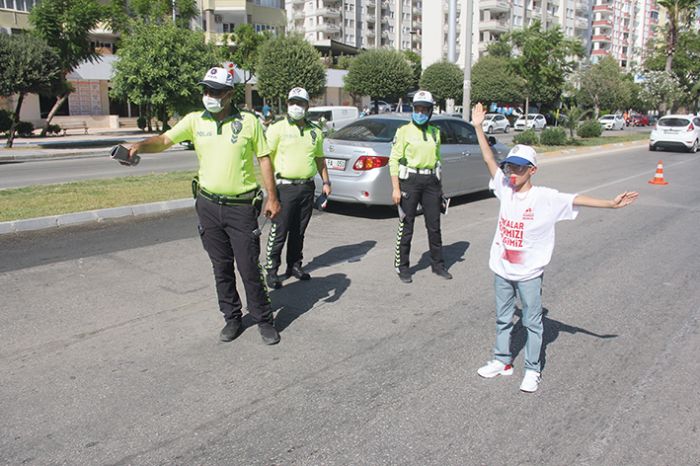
{"x": 680, "y": 13}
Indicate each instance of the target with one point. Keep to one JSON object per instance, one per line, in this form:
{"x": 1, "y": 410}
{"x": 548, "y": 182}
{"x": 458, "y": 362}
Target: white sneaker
{"x": 494, "y": 368}
{"x": 531, "y": 381}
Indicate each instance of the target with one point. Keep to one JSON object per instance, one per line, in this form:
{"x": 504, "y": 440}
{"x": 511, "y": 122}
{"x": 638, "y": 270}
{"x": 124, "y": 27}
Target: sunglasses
{"x": 516, "y": 169}
{"x": 214, "y": 92}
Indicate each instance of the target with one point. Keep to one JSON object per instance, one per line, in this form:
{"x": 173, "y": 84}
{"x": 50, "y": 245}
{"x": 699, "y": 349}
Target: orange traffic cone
{"x": 659, "y": 176}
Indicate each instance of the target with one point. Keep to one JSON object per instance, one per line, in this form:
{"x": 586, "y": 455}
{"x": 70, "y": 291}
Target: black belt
{"x": 222, "y": 199}
{"x": 281, "y": 180}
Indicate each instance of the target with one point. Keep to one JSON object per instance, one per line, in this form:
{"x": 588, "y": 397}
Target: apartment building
{"x": 220, "y": 17}
{"x": 493, "y": 18}
{"x": 623, "y": 29}
{"x": 358, "y": 23}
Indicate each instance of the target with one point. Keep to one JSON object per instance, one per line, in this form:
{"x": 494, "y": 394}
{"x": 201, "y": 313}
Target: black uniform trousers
{"x": 427, "y": 191}
{"x": 297, "y": 202}
{"x": 227, "y": 234}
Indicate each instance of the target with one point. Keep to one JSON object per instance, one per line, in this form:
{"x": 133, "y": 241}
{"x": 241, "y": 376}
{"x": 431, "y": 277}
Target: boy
{"x": 522, "y": 247}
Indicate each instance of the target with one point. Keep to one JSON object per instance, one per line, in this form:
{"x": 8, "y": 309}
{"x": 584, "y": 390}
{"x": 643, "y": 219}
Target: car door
{"x": 470, "y": 171}
{"x": 501, "y": 123}
{"x": 450, "y": 155}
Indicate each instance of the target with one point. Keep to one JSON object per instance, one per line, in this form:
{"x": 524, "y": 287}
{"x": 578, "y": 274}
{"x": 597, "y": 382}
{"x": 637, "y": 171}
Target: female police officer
{"x": 414, "y": 165}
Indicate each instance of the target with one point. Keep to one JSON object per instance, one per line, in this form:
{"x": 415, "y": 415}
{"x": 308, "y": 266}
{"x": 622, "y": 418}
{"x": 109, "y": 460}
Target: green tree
{"x": 159, "y": 67}
{"x": 494, "y": 81}
{"x": 120, "y": 13}
{"x": 660, "y": 87}
{"x": 288, "y": 62}
{"x": 379, "y": 73}
{"x": 244, "y": 53}
{"x": 65, "y": 25}
{"x": 604, "y": 85}
{"x": 444, "y": 80}
{"x": 415, "y": 61}
{"x": 543, "y": 60}
{"x": 680, "y": 14}
{"x": 686, "y": 63}
{"x": 574, "y": 115}
{"x": 29, "y": 66}
{"x": 501, "y": 48}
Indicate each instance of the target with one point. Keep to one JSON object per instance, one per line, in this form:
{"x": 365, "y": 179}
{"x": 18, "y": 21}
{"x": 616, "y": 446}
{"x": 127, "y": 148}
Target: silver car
{"x": 357, "y": 157}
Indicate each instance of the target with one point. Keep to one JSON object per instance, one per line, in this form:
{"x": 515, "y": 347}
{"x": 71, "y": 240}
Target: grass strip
{"x": 599, "y": 141}
{"x": 44, "y": 200}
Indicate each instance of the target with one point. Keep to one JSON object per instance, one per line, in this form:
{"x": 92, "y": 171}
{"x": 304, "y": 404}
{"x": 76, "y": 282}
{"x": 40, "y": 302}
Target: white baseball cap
{"x": 218, "y": 78}
{"x": 298, "y": 93}
{"x": 521, "y": 154}
{"x": 423, "y": 98}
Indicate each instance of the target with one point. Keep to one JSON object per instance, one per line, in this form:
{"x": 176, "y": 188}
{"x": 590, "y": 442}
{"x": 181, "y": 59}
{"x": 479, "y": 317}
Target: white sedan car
{"x": 534, "y": 121}
{"x": 495, "y": 122}
{"x": 676, "y": 132}
{"x": 612, "y": 122}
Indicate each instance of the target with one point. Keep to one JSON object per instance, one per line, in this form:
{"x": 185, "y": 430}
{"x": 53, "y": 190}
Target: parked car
{"x": 612, "y": 122}
{"x": 332, "y": 117}
{"x": 495, "y": 122}
{"x": 639, "y": 120}
{"x": 383, "y": 106}
{"x": 405, "y": 108}
{"x": 676, "y": 132}
{"x": 357, "y": 157}
{"x": 534, "y": 121}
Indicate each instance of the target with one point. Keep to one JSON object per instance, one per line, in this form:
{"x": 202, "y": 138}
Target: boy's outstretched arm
{"x": 621, "y": 200}
{"x": 478, "y": 114}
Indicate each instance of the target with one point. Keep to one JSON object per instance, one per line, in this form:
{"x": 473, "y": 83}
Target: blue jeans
{"x": 530, "y": 293}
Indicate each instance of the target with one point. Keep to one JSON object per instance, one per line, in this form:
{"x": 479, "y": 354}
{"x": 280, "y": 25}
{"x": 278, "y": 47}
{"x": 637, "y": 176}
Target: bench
{"x": 74, "y": 125}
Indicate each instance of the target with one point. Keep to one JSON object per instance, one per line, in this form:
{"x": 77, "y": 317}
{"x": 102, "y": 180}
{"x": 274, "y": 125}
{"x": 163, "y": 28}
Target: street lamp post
{"x": 467, "y": 48}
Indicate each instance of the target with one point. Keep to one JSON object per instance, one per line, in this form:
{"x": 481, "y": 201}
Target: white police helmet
{"x": 423, "y": 98}
{"x": 298, "y": 93}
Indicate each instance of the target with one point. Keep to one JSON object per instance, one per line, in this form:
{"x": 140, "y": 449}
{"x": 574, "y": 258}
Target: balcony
{"x": 494, "y": 5}
{"x": 607, "y": 8}
{"x": 601, "y": 38}
{"x": 370, "y": 4}
{"x": 582, "y": 7}
{"x": 327, "y": 12}
{"x": 370, "y": 33}
{"x": 370, "y": 19}
{"x": 298, "y": 2}
{"x": 328, "y": 28}
{"x": 297, "y": 15}
{"x": 494, "y": 25}
{"x": 603, "y": 23}
{"x": 581, "y": 23}
{"x": 386, "y": 20}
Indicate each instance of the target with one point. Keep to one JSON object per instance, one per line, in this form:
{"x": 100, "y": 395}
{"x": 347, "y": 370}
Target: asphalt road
{"x": 19, "y": 174}
{"x": 109, "y": 350}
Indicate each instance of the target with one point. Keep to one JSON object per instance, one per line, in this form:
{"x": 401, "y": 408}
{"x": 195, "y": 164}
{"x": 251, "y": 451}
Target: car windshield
{"x": 490, "y": 116}
{"x": 530, "y": 116}
{"x": 608, "y": 117}
{"x": 369, "y": 130}
{"x": 674, "y": 122}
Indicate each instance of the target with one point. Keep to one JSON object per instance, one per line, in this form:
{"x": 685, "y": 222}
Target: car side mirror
{"x": 492, "y": 141}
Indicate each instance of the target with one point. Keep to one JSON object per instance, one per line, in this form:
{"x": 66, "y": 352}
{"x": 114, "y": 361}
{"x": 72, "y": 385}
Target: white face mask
{"x": 212, "y": 104}
{"x": 296, "y": 112}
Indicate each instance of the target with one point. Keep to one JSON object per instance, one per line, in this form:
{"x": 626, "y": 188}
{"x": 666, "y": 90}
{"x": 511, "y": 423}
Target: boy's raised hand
{"x": 478, "y": 115}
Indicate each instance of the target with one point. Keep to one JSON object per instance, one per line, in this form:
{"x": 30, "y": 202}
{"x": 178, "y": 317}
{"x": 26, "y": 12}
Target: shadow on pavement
{"x": 552, "y": 328}
{"x": 296, "y": 298}
{"x": 339, "y": 254}
{"x": 452, "y": 254}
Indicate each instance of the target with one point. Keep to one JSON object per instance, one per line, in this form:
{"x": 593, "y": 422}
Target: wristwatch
{"x": 326, "y": 183}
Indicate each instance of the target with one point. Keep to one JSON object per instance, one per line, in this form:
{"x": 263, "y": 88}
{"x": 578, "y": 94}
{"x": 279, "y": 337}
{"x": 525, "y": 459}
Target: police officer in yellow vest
{"x": 414, "y": 166}
{"x": 296, "y": 146}
{"x": 228, "y": 197}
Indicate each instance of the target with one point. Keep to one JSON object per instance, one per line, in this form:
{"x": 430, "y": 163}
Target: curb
{"x": 86, "y": 153}
{"x": 55, "y": 221}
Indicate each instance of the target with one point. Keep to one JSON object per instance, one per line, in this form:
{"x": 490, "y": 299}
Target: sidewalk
{"x": 100, "y": 215}
{"x": 96, "y": 143}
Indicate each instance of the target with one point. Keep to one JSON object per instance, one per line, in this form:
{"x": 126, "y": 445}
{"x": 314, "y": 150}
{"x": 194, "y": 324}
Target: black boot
{"x": 405, "y": 276}
{"x": 231, "y": 330}
{"x": 441, "y": 271}
{"x": 273, "y": 280}
{"x": 269, "y": 333}
{"x": 297, "y": 272}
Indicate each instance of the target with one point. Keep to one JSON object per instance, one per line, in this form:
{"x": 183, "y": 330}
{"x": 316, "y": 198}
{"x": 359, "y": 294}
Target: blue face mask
{"x": 420, "y": 118}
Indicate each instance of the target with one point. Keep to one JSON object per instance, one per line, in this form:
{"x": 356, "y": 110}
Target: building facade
{"x": 220, "y": 17}
{"x": 359, "y": 23}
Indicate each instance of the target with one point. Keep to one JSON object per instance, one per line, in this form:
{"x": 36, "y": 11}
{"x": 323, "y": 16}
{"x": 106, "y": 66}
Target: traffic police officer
{"x": 296, "y": 146}
{"x": 414, "y": 166}
{"x": 228, "y": 197}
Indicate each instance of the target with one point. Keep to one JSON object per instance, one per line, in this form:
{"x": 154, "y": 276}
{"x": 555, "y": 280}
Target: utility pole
{"x": 173, "y": 3}
{"x": 452, "y": 32}
{"x": 467, "y": 50}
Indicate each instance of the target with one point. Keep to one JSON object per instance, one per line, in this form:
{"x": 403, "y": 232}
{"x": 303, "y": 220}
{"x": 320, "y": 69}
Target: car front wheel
{"x": 652, "y": 148}
{"x": 506, "y": 129}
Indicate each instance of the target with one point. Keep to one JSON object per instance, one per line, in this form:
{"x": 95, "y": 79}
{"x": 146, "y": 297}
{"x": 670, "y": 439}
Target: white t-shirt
{"x": 524, "y": 238}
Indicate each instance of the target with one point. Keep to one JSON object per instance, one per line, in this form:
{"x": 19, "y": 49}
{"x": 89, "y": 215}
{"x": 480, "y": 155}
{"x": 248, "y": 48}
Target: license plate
{"x": 335, "y": 164}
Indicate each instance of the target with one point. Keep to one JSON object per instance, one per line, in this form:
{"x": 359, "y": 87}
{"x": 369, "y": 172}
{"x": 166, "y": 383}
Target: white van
{"x": 332, "y": 116}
